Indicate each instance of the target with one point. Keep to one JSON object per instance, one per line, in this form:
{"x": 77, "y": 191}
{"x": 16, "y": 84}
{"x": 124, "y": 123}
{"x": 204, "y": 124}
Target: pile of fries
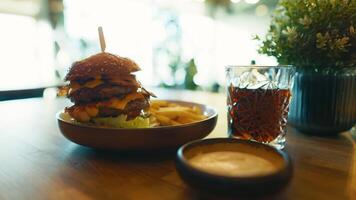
{"x": 163, "y": 113}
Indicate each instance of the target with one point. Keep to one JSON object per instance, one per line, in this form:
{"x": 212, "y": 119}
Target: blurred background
{"x": 181, "y": 44}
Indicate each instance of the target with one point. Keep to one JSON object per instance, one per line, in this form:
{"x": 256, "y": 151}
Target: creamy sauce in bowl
{"x": 233, "y": 164}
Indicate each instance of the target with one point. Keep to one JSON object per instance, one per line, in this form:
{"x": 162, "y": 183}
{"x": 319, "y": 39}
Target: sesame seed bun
{"x": 101, "y": 64}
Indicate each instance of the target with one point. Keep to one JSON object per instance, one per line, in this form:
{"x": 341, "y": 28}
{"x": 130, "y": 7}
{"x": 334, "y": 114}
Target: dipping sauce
{"x": 231, "y": 163}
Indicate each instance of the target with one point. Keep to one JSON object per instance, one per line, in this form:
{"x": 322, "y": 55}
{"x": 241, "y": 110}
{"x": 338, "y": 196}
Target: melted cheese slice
{"x": 85, "y": 112}
{"x": 90, "y": 84}
{"x": 120, "y": 104}
{"x": 125, "y": 81}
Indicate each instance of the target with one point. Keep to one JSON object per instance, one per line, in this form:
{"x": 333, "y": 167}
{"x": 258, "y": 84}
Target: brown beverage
{"x": 258, "y": 114}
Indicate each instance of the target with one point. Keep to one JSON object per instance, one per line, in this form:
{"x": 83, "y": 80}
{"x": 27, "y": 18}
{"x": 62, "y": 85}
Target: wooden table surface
{"x": 37, "y": 162}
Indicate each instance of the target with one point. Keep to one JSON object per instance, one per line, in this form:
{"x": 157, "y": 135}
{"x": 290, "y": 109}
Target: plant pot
{"x": 323, "y": 103}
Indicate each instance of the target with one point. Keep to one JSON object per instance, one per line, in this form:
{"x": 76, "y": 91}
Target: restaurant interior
{"x": 178, "y": 99}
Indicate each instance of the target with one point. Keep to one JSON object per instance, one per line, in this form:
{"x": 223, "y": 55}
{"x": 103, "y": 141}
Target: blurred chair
{"x": 21, "y": 94}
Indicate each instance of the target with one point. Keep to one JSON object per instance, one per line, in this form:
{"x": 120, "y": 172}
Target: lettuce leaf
{"x": 120, "y": 122}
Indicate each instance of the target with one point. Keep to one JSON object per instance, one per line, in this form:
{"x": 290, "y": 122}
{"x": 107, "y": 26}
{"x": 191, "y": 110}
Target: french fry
{"x": 197, "y": 110}
{"x": 185, "y": 120}
{"x": 165, "y": 121}
{"x": 164, "y": 113}
{"x": 158, "y": 104}
{"x": 175, "y": 113}
{"x": 153, "y": 121}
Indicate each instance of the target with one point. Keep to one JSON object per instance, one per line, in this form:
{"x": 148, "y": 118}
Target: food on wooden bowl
{"x": 106, "y": 93}
{"x": 138, "y": 139}
{"x": 113, "y": 111}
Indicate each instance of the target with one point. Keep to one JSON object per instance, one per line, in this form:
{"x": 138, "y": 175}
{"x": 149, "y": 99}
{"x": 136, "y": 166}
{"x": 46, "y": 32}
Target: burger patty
{"x": 101, "y": 92}
{"x": 84, "y": 113}
{"x": 132, "y": 109}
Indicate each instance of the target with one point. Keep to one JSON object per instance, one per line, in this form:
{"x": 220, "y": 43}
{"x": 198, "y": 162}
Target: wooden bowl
{"x": 225, "y": 185}
{"x": 166, "y": 137}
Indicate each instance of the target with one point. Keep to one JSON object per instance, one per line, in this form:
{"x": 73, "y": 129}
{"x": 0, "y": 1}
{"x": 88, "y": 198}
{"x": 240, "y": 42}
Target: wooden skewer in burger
{"x": 105, "y": 92}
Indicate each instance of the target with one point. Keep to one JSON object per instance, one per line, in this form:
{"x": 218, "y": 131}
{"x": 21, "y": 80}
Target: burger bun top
{"x": 101, "y": 64}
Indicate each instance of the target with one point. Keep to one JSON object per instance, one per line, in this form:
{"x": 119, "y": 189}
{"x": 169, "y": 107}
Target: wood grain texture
{"x": 37, "y": 162}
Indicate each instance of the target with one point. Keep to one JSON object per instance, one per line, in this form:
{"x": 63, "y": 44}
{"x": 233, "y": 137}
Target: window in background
{"x": 26, "y": 53}
{"x": 212, "y": 44}
{"x": 165, "y": 38}
{"x": 127, "y": 29}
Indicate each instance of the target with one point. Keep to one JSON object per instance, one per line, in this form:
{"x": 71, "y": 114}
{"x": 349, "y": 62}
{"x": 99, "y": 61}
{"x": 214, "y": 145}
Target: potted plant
{"x": 319, "y": 38}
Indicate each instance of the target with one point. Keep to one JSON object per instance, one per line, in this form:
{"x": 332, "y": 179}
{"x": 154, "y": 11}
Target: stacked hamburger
{"x": 105, "y": 92}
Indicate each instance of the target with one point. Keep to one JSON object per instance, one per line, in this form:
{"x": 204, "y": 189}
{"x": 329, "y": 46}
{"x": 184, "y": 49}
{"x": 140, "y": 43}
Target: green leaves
{"x": 322, "y": 40}
{"x": 315, "y": 33}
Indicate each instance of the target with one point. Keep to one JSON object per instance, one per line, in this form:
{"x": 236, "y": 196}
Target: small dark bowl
{"x": 138, "y": 139}
{"x": 233, "y": 185}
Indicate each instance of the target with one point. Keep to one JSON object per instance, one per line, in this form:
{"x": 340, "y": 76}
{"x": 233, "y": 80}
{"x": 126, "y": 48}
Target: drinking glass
{"x": 258, "y": 100}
